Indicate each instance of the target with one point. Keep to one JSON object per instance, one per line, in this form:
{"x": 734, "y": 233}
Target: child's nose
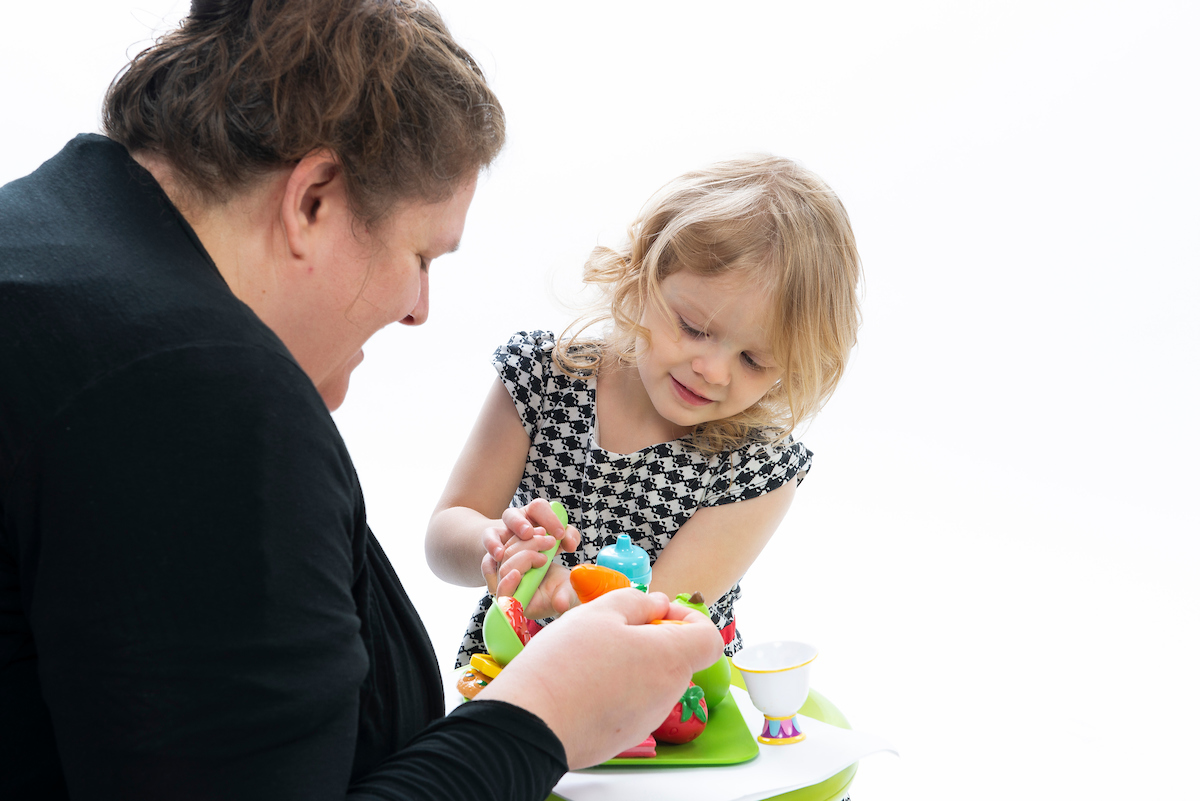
{"x": 713, "y": 367}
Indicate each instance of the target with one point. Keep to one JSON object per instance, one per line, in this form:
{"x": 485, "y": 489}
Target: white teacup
{"x": 776, "y": 677}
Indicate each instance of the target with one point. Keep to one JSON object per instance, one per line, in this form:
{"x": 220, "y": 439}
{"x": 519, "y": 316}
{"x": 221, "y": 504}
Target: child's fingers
{"x": 564, "y": 598}
{"x": 494, "y": 540}
{"x": 508, "y": 584}
{"x": 571, "y": 541}
{"x": 489, "y": 568}
{"x": 541, "y": 542}
{"x": 519, "y": 524}
{"x": 540, "y": 513}
{"x": 522, "y": 562}
{"x": 546, "y": 601}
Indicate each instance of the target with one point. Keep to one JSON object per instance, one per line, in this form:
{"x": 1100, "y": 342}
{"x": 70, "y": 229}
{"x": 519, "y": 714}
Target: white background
{"x": 994, "y": 551}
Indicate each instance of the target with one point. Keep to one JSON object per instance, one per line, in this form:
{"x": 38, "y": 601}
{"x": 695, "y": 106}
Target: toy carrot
{"x": 592, "y": 581}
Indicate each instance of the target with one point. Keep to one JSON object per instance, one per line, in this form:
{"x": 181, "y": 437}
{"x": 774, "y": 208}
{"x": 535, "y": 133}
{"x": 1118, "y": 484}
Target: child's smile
{"x": 710, "y": 357}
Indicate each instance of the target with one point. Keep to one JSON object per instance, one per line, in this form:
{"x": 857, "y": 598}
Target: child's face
{"x": 709, "y": 358}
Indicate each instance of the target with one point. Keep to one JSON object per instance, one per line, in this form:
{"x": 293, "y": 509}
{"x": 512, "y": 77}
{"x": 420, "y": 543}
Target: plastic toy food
{"x": 715, "y": 678}
{"x": 646, "y": 749}
{"x": 592, "y": 581}
{"x": 500, "y": 630}
{"x": 471, "y": 682}
{"x": 514, "y": 613}
{"x": 693, "y": 601}
{"x": 483, "y": 663}
{"x": 687, "y": 719}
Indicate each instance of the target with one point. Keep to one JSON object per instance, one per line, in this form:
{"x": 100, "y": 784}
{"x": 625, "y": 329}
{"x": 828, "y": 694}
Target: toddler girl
{"x": 730, "y": 313}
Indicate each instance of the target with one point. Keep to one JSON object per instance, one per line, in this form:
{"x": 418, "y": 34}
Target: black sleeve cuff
{"x": 484, "y": 750}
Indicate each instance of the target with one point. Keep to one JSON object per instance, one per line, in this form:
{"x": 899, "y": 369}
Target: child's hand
{"x": 554, "y": 595}
{"x": 516, "y": 547}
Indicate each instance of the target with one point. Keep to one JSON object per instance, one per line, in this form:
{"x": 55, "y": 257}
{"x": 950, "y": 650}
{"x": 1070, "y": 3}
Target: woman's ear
{"x": 312, "y": 198}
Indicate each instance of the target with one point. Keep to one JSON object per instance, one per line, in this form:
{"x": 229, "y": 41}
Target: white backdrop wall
{"x": 994, "y": 551}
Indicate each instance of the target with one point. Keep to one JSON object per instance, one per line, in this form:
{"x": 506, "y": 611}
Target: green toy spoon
{"x": 498, "y": 636}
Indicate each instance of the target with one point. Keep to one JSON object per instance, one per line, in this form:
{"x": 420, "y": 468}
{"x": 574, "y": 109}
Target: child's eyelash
{"x": 692, "y": 332}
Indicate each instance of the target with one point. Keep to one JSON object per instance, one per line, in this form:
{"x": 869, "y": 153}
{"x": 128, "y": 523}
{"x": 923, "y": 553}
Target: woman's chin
{"x": 334, "y": 392}
{"x": 335, "y": 386}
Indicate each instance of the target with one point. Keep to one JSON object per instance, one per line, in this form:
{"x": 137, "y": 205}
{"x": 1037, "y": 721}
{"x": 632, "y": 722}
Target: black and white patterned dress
{"x": 647, "y": 495}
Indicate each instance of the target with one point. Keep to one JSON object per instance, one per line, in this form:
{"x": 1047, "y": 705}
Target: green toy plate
{"x": 724, "y": 741}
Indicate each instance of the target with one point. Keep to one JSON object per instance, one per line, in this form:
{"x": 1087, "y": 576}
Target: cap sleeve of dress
{"x": 524, "y": 364}
{"x": 756, "y": 469}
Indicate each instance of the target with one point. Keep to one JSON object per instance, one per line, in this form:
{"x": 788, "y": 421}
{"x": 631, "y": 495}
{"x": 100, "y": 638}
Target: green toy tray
{"x": 724, "y": 741}
{"x": 817, "y": 706}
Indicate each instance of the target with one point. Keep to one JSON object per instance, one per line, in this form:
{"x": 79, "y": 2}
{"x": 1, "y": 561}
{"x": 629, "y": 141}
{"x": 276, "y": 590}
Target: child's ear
{"x": 314, "y": 200}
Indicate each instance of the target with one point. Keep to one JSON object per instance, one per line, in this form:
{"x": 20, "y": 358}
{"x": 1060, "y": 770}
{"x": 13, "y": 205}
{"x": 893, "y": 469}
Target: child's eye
{"x": 687, "y": 329}
{"x": 753, "y": 365}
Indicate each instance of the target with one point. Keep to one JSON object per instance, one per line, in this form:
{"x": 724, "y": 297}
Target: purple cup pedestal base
{"x": 781, "y": 731}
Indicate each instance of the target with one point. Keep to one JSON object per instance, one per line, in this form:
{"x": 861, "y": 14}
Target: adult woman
{"x": 193, "y": 603}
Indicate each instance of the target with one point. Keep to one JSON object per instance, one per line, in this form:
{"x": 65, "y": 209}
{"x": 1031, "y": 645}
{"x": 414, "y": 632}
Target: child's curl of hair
{"x": 765, "y": 217}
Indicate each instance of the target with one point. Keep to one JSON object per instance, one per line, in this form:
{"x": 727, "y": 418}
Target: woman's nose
{"x": 420, "y": 311}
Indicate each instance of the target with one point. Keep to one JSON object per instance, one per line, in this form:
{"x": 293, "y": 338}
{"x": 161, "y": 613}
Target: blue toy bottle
{"x": 627, "y": 558}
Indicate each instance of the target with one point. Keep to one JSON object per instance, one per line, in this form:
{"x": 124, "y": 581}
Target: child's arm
{"x": 714, "y": 548}
{"x": 473, "y": 521}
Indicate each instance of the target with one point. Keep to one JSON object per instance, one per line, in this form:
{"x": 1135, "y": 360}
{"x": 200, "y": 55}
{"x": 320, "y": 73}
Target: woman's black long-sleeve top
{"x": 191, "y": 603}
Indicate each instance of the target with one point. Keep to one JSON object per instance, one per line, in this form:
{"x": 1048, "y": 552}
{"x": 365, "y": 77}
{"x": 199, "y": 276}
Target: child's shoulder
{"x": 757, "y": 467}
{"x": 526, "y": 352}
{"x": 538, "y": 356}
{"x": 752, "y": 443}
{"x": 762, "y": 451}
{"x": 528, "y": 343}
{"x": 540, "y": 352}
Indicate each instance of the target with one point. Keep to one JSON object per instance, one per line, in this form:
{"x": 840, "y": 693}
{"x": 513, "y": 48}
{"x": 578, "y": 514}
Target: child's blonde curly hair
{"x": 763, "y": 216}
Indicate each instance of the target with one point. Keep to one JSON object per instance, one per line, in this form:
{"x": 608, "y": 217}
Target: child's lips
{"x": 688, "y": 396}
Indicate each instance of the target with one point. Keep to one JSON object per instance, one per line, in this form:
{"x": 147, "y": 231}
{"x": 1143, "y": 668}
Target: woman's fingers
{"x": 685, "y": 613}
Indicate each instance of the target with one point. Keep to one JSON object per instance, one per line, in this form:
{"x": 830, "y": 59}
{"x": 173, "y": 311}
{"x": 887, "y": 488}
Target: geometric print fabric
{"x": 648, "y": 495}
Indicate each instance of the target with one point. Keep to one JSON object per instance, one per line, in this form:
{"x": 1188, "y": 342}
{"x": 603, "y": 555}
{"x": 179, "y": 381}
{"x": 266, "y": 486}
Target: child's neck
{"x": 626, "y": 419}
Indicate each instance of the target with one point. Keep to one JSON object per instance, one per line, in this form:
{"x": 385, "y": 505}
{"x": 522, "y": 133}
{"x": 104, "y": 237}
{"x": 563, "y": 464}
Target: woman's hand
{"x": 600, "y": 679}
{"x": 515, "y": 548}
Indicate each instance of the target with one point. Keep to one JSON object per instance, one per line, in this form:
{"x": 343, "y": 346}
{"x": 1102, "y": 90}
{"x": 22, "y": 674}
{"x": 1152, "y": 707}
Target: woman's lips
{"x": 687, "y": 395}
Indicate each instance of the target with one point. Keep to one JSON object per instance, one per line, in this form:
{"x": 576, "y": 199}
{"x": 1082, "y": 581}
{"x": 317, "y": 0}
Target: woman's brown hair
{"x": 246, "y": 86}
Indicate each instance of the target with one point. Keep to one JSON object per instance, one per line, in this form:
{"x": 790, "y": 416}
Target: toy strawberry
{"x": 515, "y": 613}
{"x": 687, "y": 719}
